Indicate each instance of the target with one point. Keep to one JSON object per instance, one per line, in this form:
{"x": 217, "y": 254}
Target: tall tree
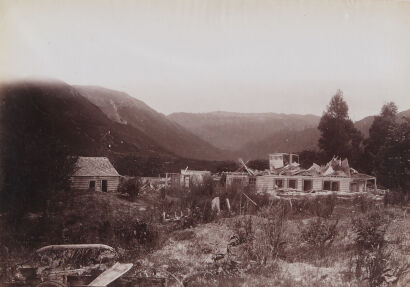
{"x": 388, "y": 148}
{"x": 379, "y": 128}
{"x": 339, "y": 137}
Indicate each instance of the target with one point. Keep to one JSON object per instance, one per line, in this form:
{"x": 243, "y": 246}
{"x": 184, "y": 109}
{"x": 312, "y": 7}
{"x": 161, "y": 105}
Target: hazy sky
{"x": 199, "y": 56}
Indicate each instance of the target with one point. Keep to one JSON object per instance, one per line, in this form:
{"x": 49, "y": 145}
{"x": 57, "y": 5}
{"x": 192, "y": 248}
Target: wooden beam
{"x": 250, "y": 199}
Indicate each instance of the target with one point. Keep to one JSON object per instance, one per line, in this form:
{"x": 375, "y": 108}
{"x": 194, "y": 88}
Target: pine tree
{"x": 339, "y": 137}
{"x": 388, "y": 148}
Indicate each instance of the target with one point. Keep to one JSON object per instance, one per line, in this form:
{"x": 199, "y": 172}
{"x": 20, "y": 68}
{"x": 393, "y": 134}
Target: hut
{"x": 95, "y": 174}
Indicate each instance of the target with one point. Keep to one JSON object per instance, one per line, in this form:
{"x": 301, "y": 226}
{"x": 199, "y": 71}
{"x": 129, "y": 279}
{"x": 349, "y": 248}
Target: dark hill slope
{"x": 282, "y": 141}
{"x": 122, "y": 108}
{"x": 70, "y": 119}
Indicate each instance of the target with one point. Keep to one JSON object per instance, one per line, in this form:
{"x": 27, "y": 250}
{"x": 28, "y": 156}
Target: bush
{"x": 321, "y": 205}
{"x": 269, "y": 241}
{"x": 262, "y": 236}
{"x": 320, "y": 233}
{"x": 376, "y": 265}
{"x": 395, "y": 197}
{"x": 244, "y": 229}
{"x": 370, "y": 230}
{"x": 183, "y": 235}
{"x": 372, "y": 256}
{"x": 131, "y": 186}
{"x": 363, "y": 203}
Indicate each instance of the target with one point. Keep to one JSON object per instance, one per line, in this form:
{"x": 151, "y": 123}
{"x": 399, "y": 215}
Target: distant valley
{"x": 254, "y": 136}
{"x": 99, "y": 121}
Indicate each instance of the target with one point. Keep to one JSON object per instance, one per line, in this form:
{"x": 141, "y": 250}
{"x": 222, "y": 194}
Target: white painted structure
{"x": 279, "y": 160}
{"x": 268, "y": 183}
{"x": 189, "y": 177}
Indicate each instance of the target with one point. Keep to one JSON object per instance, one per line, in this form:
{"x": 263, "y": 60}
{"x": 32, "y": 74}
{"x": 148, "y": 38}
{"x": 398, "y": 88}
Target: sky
{"x": 201, "y": 56}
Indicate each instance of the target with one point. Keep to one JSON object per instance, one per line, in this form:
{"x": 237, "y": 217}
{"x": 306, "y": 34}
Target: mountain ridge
{"x": 282, "y": 139}
{"x": 125, "y": 109}
{"x": 232, "y": 131}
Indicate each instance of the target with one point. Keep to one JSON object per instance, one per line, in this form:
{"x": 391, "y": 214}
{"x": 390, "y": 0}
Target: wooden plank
{"x": 75, "y": 247}
{"x": 250, "y": 199}
{"x": 110, "y": 275}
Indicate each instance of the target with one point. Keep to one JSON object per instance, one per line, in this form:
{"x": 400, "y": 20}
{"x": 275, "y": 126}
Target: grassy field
{"x": 311, "y": 242}
{"x": 269, "y": 249}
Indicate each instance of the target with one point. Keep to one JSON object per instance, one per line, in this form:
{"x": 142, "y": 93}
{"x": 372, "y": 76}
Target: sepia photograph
{"x": 188, "y": 143}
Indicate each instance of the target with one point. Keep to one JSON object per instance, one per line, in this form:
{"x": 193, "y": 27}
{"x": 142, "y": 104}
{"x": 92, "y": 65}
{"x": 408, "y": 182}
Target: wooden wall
{"x": 83, "y": 182}
{"x": 231, "y": 178}
{"x": 266, "y": 183}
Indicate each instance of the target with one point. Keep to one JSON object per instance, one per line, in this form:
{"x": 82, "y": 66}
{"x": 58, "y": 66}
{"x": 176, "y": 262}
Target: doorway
{"x": 91, "y": 185}
{"x": 307, "y": 185}
{"x": 104, "y": 185}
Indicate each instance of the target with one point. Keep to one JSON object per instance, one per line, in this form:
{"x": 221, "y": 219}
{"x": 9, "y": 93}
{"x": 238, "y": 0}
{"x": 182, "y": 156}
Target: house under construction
{"x": 285, "y": 174}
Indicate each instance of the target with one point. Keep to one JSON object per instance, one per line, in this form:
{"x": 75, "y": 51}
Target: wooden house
{"x": 240, "y": 179}
{"x": 267, "y": 183}
{"x": 335, "y": 176}
{"x": 95, "y": 174}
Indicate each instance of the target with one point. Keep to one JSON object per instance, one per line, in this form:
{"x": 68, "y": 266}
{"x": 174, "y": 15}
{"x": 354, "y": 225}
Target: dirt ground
{"x": 199, "y": 256}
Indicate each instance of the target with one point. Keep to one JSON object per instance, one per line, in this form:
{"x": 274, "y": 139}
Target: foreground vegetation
{"x": 320, "y": 241}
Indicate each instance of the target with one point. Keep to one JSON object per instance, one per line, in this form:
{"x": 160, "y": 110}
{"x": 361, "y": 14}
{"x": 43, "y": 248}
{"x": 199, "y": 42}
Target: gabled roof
{"x": 94, "y": 166}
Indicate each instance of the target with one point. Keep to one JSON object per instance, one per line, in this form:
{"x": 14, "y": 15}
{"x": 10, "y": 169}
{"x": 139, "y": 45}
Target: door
{"x": 307, "y": 185}
{"x": 104, "y": 185}
{"x": 354, "y": 187}
{"x": 186, "y": 181}
{"x": 91, "y": 185}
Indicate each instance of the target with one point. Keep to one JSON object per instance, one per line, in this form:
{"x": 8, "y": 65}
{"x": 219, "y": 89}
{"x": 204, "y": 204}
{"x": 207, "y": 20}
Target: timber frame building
{"x": 95, "y": 174}
{"x": 285, "y": 174}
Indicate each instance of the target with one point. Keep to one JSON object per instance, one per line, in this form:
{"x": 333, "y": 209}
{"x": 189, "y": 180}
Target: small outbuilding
{"x": 95, "y": 174}
{"x": 191, "y": 177}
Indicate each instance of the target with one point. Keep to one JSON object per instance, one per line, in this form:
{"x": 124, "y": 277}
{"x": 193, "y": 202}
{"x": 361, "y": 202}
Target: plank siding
{"x": 83, "y": 182}
{"x": 266, "y": 183}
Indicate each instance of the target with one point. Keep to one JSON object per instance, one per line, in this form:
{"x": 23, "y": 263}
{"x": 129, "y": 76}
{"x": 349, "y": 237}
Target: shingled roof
{"x": 94, "y": 166}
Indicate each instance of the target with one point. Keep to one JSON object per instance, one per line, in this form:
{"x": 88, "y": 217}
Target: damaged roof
{"x": 334, "y": 168}
{"x": 94, "y": 166}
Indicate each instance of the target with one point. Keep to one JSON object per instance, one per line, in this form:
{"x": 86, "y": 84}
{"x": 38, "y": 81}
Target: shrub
{"x": 244, "y": 229}
{"x": 320, "y": 233}
{"x": 363, "y": 203}
{"x": 323, "y": 206}
{"x": 262, "y": 236}
{"x": 269, "y": 242}
{"x": 183, "y": 235}
{"x": 395, "y": 197}
{"x": 131, "y": 186}
{"x": 370, "y": 230}
{"x": 372, "y": 256}
{"x": 376, "y": 265}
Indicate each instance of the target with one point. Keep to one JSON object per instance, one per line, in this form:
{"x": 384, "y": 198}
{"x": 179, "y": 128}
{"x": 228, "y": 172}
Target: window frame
{"x": 311, "y": 184}
{"x": 294, "y": 180}
{"x": 331, "y": 185}
{"x": 279, "y": 179}
{"x": 91, "y": 184}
